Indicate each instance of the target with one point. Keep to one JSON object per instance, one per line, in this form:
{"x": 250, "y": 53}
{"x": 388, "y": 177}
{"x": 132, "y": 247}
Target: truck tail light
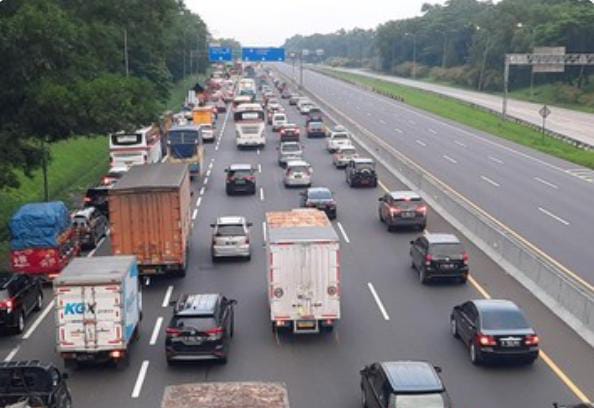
{"x": 428, "y": 260}
{"x": 531, "y": 340}
{"x": 485, "y": 341}
{"x": 7, "y": 304}
{"x": 172, "y": 332}
{"x": 465, "y": 258}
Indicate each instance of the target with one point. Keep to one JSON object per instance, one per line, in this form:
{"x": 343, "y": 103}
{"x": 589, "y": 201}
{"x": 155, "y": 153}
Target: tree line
{"x": 464, "y": 41}
{"x": 84, "y": 67}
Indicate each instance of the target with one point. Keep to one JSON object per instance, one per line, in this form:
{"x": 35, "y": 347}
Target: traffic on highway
{"x": 251, "y": 244}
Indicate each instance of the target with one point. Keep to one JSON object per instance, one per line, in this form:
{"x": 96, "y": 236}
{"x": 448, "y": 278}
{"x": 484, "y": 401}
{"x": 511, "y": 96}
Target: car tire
{"x": 20, "y": 327}
{"x": 223, "y": 360}
{"x": 454, "y": 328}
{"x": 249, "y": 257}
{"x": 462, "y": 280}
{"x": 423, "y": 276}
{"x": 39, "y": 302}
{"x": 381, "y": 216}
{"x": 363, "y": 398}
{"x": 181, "y": 273}
{"x": 70, "y": 364}
{"x": 170, "y": 362}
{"x": 475, "y": 355}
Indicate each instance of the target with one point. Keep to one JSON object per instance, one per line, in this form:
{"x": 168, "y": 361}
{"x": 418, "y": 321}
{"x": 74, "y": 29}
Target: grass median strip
{"x": 474, "y": 118}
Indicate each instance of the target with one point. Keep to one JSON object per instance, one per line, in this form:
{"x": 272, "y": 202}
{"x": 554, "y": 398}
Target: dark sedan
{"x": 320, "y": 198}
{"x": 494, "y": 330}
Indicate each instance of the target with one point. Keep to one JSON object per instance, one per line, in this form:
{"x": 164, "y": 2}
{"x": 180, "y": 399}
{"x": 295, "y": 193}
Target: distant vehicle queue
{"x": 302, "y": 247}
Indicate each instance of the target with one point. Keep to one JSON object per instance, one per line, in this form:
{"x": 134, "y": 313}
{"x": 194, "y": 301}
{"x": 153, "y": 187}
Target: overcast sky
{"x": 269, "y": 23}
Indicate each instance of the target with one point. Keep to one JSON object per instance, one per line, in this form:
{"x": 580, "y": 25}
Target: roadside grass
{"x": 548, "y": 94}
{"x": 180, "y": 91}
{"x": 475, "y": 118}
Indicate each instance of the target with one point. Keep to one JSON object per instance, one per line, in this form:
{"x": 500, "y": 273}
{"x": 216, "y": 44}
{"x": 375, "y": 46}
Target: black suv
{"x": 240, "y": 179}
{"x": 90, "y": 226}
{"x": 360, "y": 172}
{"x": 98, "y": 197}
{"x": 397, "y": 384}
{"x": 20, "y": 295}
{"x": 39, "y": 384}
{"x": 315, "y": 129}
{"x": 439, "y": 256}
{"x": 314, "y": 115}
{"x": 320, "y": 198}
{"x": 200, "y": 329}
{"x": 403, "y": 209}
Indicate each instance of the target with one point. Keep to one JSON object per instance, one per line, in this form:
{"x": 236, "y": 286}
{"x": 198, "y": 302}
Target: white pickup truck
{"x": 98, "y": 309}
{"x": 303, "y": 271}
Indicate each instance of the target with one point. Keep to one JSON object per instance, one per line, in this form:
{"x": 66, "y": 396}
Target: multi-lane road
{"x": 406, "y": 320}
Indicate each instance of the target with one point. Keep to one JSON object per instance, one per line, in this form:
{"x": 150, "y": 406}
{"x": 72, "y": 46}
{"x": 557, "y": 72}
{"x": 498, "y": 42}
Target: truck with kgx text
{"x": 303, "y": 271}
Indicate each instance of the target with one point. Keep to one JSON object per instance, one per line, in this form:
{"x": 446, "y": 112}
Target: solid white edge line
{"x": 156, "y": 331}
{"x": 194, "y": 214}
{"x": 343, "y": 232}
{"x": 546, "y": 183}
{"x": 202, "y": 190}
{"x": 12, "y": 353}
{"x": 167, "y": 296}
{"x": 488, "y": 180}
{"x": 378, "y": 301}
{"x": 140, "y": 379}
{"x": 264, "y": 231}
{"x": 37, "y": 322}
{"x": 261, "y": 193}
{"x": 553, "y": 216}
{"x": 448, "y": 158}
{"x": 198, "y": 202}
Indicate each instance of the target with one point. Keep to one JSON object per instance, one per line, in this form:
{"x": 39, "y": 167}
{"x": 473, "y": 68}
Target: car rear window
{"x": 291, "y": 148}
{"x": 230, "y": 230}
{"x": 199, "y": 323}
{"x": 420, "y": 400}
{"x": 300, "y": 169}
{"x": 348, "y": 151}
{"x": 240, "y": 173}
{"x": 320, "y": 194}
{"x": 315, "y": 125}
{"x": 503, "y": 319}
{"x": 450, "y": 250}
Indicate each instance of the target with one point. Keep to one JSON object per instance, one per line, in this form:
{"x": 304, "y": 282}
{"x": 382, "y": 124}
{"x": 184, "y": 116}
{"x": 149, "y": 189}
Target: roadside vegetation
{"x": 475, "y": 118}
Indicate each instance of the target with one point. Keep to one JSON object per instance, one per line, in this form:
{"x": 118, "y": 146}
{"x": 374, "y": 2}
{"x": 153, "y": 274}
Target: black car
{"x": 494, "y": 330}
{"x": 90, "y": 226}
{"x": 360, "y": 172}
{"x": 315, "y": 129}
{"x": 20, "y": 295}
{"x": 98, "y": 197}
{"x": 403, "y": 209}
{"x": 39, "y": 384}
{"x": 394, "y": 384}
{"x": 439, "y": 256}
{"x": 320, "y": 198}
{"x": 200, "y": 329}
{"x": 240, "y": 179}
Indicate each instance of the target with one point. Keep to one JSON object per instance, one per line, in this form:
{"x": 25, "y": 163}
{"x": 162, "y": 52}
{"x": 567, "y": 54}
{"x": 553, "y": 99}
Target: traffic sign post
{"x": 544, "y": 112}
{"x": 219, "y": 54}
{"x": 259, "y": 54}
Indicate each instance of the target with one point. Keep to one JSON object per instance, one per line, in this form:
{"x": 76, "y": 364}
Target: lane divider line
{"x": 488, "y": 180}
{"x": 259, "y": 168}
{"x": 198, "y": 202}
{"x": 194, "y": 214}
{"x": 12, "y": 353}
{"x": 553, "y": 216}
{"x": 37, "y": 322}
{"x": 546, "y": 183}
{"x": 167, "y": 296}
{"x": 383, "y": 122}
{"x": 383, "y": 186}
{"x": 432, "y": 131}
{"x": 448, "y": 158}
{"x": 378, "y": 301}
{"x": 496, "y": 160}
{"x": 140, "y": 379}
{"x": 202, "y": 190}
{"x": 459, "y": 143}
{"x": 264, "y": 231}
{"x": 420, "y": 142}
{"x": 156, "y": 331}
{"x": 397, "y": 130}
{"x": 343, "y": 232}
{"x": 261, "y": 193}
{"x": 205, "y": 181}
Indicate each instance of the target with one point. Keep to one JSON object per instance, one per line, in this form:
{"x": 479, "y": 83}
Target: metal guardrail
{"x": 566, "y": 294}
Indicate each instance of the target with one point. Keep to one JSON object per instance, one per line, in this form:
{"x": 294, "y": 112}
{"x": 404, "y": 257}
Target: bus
{"x": 240, "y": 100}
{"x": 133, "y": 148}
{"x": 247, "y": 87}
{"x": 249, "y": 125}
{"x": 184, "y": 145}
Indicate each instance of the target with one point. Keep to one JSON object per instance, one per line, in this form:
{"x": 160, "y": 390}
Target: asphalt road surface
{"x": 575, "y": 124}
{"x": 321, "y": 370}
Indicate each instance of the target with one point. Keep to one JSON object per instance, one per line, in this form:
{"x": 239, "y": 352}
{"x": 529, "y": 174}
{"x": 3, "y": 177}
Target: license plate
{"x": 447, "y": 266}
{"x": 510, "y": 343}
{"x": 297, "y": 176}
{"x": 408, "y": 214}
{"x": 308, "y": 324}
{"x": 193, "y": 340}
{"x": 240, "y": 182}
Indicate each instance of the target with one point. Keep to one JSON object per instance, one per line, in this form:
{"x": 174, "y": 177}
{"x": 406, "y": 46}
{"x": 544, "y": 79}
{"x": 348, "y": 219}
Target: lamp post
{"x": 414, "y": 67}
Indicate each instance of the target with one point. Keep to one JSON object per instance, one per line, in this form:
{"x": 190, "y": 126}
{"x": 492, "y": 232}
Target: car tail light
{"x": 250, "y": 178}
{"x": 422, "y": 209}
{"x": 87, "y": 199}
{"x": 7, "y": 304}
{"x": 486, "y": 341}
{"x": 465, "y": 258}
{"x": 532, "y": 340}
{"x": 172, "y": 332}
{"x": 428, "y": 260}
{"x": 395, "y": 211}
{"x": 216, "y": 332}
{"x": 230, "y": 179}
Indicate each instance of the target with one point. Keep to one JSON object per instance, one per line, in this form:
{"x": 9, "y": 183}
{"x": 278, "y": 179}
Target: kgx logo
{"x": 78, "y": 308}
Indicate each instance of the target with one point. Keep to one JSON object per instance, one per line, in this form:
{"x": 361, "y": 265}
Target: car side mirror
{"x": 437, "y": 369}
{"x": 232, "y": 302}
{"x": 364, "y": 370}
{"x": 249, "y": 224}
{"x": 226, "y": 170}
{"x": 173, "y": 302}
{"x": 212, "y": 225}
{"x": 380, "y": 199}
{"x": 412, "y": 242}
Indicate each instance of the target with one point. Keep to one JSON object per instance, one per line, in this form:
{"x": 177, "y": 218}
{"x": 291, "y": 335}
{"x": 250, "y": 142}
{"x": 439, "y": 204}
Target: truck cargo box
{"x": 150, "y": 216}
{"x": 38, "y": 225}
{"x": 98, "y": 306}
{"x": 226, "y": 395}
{"x": 304, "y": 270}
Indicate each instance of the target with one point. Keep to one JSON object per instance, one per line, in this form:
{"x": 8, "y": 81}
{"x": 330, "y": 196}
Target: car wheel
{"x": 39, "y": 302}
{"x": 381, "y": 216}
{"x": 170, "y": 362}
{"x": 181, "y": 272}
{"x": 223, "y": 360}
{"x": 412, "y": 263}
{"x": 363, "y": 398}
{"x": 423, "y": 276}
{"x": 20, "y": 323}
{"x": 454, "y": 328}
{"x": 463, "y": 280}
{"x": 249, "y": 257}
{"x": 475, "y": 355}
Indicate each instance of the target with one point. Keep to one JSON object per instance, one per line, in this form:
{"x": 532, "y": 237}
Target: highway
{"x": 405, "y": 321}
{"x": 546, "y": 200}
{"x": 575, "y": 124}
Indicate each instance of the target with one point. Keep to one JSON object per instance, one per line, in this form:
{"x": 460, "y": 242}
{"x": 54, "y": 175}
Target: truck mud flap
{"x": 306, "y": 326}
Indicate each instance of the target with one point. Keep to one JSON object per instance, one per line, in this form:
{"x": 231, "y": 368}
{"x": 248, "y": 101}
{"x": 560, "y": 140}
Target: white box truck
{"x": 304, "y": 270}
{"x": 98, "y": 309}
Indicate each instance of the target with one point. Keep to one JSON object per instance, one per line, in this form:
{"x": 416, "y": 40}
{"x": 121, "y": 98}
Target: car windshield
{"x": 338, "y": 136}
{"x": 200, "y": 323}
{"x": 320, "y": 194}
{"x": 230, "y": 230}
{"x": 449, "y": 250}
{"x": 503, "y": 319}
{"x": 420, "y": 401}
{"x": 79, "y": 222}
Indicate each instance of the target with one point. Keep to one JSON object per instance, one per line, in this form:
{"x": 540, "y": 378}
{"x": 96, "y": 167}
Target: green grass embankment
{"x": 180, "y": 91}
{"x": 475, "y": 118}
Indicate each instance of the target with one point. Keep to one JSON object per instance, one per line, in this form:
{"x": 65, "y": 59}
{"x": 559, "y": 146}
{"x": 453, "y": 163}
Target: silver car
{"x": 231, "y": 238}
{"x": 344, "y": 154}
{"x": 289, "y": 151}
{"x": 298, "y": 174}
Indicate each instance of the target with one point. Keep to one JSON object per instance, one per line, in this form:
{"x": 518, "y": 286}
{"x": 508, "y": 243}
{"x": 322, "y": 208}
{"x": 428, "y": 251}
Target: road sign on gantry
{"x": 217, "y": 54}
{"x": 263, "y": 54}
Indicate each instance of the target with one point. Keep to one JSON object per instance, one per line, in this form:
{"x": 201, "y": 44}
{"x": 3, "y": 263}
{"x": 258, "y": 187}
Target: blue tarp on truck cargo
{"x": 38, "y": 225}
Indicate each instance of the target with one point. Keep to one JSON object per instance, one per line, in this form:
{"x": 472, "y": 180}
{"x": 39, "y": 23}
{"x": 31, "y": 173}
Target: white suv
{"x": 278, "y": 120}
{"x": 337, "y": 139}
{"x": 231, "y": 238}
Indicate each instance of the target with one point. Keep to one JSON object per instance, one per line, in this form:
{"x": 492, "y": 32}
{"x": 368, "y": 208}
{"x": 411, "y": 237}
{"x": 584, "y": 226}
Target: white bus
{"x": 132, "y": 148}
{"x": 247, "y": 87}
{"x": 249, "y": 125}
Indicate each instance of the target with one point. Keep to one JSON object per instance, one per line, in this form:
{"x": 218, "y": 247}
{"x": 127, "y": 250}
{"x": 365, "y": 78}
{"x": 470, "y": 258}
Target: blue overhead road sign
{"x": 263, "y": 54}
{"x": 216, "y": 54}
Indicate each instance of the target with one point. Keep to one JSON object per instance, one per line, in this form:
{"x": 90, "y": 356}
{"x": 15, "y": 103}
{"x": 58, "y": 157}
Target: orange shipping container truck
{"x": 149, "y": 212}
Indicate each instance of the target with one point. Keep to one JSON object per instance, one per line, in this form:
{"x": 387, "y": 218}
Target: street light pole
{"x": 414, "y": 67}
{"x": 126, "y": 51}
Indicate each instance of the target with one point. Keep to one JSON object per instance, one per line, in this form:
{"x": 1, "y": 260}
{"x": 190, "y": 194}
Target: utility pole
{"x": 44, "y": 169}
{"x": 126, "y": 51}
{"x": 301, "y": 70}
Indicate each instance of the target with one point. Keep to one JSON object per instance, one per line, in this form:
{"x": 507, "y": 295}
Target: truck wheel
{"x": 39, "y": 302}
{"x": 181, "y": 272}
